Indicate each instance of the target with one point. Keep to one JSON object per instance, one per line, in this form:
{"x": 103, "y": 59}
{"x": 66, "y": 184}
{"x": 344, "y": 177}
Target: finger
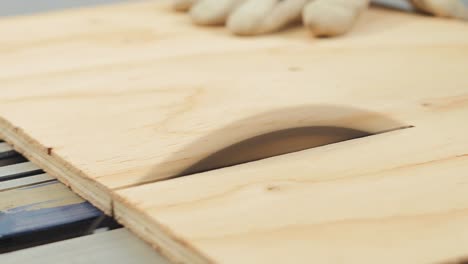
{"x": 332, "y": 17}
{"x": 183, "y": 5}
{"x": 213, "y": 12}
{"x": 444, "y": 8}
{"x": 263, "y": 16}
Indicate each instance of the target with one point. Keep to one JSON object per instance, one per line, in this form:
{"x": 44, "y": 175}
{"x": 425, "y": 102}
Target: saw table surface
{"x": 116, "y": 100}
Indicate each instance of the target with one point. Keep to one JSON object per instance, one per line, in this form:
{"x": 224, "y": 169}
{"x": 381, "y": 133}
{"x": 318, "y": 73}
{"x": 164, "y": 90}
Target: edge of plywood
{"x": 161, "y": 239}
{"x": 176, "y": 250}
{"x": 55, "y": 166}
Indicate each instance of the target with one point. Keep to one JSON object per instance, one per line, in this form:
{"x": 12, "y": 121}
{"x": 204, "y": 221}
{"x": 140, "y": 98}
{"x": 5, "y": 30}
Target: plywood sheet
{"x": 393, "y": 198}
{"x": 133, "y": 87}
{"x": 134, "y": 93}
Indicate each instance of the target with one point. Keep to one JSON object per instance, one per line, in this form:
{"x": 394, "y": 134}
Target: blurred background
{"x": 23, "y": 7}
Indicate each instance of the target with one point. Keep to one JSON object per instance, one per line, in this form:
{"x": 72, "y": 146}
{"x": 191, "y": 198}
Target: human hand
{"x": 444, "y": 8}
{"x": 253, "y": 17}
{"x": 322, "y": 17}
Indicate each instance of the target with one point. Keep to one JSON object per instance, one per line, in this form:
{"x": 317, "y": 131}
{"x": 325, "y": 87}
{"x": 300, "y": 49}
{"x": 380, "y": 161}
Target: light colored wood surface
{"x": 117, "y": 246}
{"x": 133, "y": 93}
{"x": 398, "y": 197}
{"x": 147, "y": 104}
{"x": 31, "y": 203}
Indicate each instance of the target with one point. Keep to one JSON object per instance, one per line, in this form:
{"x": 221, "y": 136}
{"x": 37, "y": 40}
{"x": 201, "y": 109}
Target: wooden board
{"x": 133, "y": 93}
{"x": 393, "y": 198}
{"x": 115, "y": 101}
{"x": 116, "y": 246}
{"x": 36, "y": 209}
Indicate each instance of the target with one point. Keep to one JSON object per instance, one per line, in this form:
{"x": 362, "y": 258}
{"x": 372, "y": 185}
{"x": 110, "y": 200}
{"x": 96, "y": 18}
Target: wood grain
{"x": 398, "y": 197}
{"x": 141, "y": 98}
{"x": 134, "y": 93}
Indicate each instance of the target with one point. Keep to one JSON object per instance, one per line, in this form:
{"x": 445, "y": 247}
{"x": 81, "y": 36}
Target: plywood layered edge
{"x": 55, "y": 166}
{"x": 160, "y": 237}
{"x": 166, "y": 238}
{"x": 387, "y": 60}
{"x": 424, "y": 171}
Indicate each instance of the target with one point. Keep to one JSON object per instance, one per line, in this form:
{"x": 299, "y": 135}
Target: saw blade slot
{"x": 276, "y": 133}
